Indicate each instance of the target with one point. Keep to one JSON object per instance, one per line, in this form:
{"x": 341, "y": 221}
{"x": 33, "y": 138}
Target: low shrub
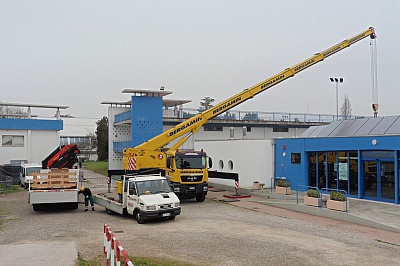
{"x": 338, "y": 196}
{"x": 313, "y": 193}
{"x": 282, "y": 183}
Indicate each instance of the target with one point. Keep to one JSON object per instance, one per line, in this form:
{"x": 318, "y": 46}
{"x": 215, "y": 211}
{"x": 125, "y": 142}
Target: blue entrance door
{"x": 379, "y": 180}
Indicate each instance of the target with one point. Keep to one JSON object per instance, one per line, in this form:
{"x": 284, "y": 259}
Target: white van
{"x": 25, "y": 175}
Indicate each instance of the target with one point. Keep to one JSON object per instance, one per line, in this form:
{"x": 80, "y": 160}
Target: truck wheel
{"x": 37, "y": 207}
{"x": 139, "y": 218}
{"x": 201, "y": 197}
{"x": 172, "y": 217}
{"x": 109, "y": 212}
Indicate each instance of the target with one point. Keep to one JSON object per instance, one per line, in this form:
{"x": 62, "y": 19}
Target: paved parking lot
{"x": 245, "y": 232}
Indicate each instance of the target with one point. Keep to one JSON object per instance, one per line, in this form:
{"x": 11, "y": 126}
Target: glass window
{"x": 343, "y": 170}
{"x": 312, "y": 173}
{"x": 353, "y": 172}
{"x": 321, "y": 170}
{"x": 153, "y": 187}
{"x": 190, "y": 161}
{"x": 12, "y": 141}
{"x": 230, "y": 165}
{"x": 31, "y": 170}
{"x": 398, "y": 170}
{"x": 296, "y": 157}
{"x": 280, "y": 129}
{"x": 221, "y": 164}
{"x": 387, "y": 180}
{"x": 370, "y": 178}
{"x": 63, "y": 140}
{"x": 213, "y": 128}
{"x": 332, "y": 170}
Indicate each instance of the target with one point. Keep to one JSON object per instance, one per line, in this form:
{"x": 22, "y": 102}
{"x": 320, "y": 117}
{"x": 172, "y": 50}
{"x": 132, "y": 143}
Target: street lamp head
{"x": 337, "y": 80}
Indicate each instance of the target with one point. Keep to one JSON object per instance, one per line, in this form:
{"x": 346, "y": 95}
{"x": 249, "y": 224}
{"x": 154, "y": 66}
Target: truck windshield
{"x": 190, "y": 162}
{"x": 153, "y": 187}
{"x": 32, "y": 170}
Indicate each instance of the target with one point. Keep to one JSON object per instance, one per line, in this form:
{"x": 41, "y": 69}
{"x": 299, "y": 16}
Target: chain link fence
{"x": 6, "y": 183}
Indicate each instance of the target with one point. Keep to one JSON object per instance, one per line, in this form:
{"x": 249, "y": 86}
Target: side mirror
{"x": 209, "y": 162}
{"x": 169, "y": 162}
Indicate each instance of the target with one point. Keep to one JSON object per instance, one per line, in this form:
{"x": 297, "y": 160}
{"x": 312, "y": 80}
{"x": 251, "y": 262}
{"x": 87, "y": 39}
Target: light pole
{"x": 337, "y": 81}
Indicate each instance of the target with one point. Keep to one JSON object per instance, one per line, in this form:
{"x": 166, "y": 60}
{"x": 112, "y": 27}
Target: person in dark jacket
{"x": 88, "y": 197}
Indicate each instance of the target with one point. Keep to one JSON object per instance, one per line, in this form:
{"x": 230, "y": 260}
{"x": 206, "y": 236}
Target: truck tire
{"x": 139, "y": 217}
{"x": 201, "y": 197}
{"x": 37, "y": 207}
{"x": 172, "y": 217}
{"x": 109, "y": 212}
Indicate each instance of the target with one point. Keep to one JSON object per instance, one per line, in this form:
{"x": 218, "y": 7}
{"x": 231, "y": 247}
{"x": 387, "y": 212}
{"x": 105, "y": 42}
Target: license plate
{"x": 166, "y": 214}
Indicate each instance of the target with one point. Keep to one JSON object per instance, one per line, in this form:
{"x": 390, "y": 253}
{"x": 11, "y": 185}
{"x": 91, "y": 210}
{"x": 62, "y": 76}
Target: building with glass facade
{"x": 360, "y": 157}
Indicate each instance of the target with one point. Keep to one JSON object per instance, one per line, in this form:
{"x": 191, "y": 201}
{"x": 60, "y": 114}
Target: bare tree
{"x": 345, "y": 110}
{"x": 11, "y": 110}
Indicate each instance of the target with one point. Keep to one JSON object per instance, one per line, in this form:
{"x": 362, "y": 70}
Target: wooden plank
{"x": 49, "y": 186}
{"x": 63, "y": 180}
{"x": 54, "y": 174}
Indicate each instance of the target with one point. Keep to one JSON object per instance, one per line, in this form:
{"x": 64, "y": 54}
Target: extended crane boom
{"x": 150, "y": 155}
{"x": 195, "y": 123}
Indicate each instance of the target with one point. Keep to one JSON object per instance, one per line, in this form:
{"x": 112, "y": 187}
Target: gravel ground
{"x": 208, "y": 233}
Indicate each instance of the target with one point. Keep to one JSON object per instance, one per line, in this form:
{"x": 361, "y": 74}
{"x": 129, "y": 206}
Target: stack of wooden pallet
{"x": 55, "y": 179}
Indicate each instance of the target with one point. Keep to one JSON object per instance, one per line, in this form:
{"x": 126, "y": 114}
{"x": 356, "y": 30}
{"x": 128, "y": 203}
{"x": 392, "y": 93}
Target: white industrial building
{"x": 27, "y": 138}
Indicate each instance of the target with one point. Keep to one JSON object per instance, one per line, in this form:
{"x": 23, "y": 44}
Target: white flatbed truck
{"x": 54, "y": 188}
{"x": 146, "y": 197}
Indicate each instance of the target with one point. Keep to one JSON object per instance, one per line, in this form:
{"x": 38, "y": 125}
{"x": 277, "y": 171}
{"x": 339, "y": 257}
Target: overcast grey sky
{"x": 80, "y": 53}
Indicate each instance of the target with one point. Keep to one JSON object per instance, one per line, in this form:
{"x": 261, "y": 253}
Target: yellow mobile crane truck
{"x": 187, "y": 171}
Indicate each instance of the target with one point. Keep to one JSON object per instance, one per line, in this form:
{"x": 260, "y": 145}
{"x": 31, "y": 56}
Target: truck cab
{"x": 151, "y": 198}
{"x": 26, "y": 173}
{"x": 188, "y": 174}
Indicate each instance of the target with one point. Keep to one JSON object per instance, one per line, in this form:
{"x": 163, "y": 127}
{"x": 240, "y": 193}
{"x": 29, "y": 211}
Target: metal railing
{"x": 123, "y": 116}
{"x": 272, "y": 116}
{"x": 275, "y": 179}
{"x": 254, "y": 116}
